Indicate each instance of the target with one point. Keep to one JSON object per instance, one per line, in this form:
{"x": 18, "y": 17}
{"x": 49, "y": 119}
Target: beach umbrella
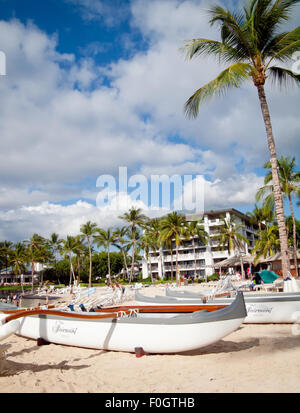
{"x": 268, "y": 276}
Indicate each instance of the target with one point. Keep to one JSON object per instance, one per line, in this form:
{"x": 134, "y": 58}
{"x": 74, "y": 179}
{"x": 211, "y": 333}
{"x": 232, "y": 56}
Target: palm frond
{"x": 283, "y": 47}
{"x": 233, "y": 76}
{"x": 233, "y": 29}
{"x": 283, "y": 77}
{"x": 207, "y": 47}
{"x": 263, "y": 18}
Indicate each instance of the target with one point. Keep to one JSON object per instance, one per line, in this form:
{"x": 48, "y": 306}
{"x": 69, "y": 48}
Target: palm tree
{"x": 154, "y": 230}
{"x": 69, "y": 248}
{"x": 18, "y": 260}
{"x": 147, "y": 244}
{"x": 120, "y": 243}
{"x": 173, "y": 226}
{"x": 79, "y": 250}
{"x": 136, "y": 219}
{"x": 105, "y": 239}
{"x": 195, "y": 230}
{"x": 289, "y": 227}
{"x": 35, "y": 252}
{"x": 290, "y": 185}
{"x": 168, "y": 243}
{"x": 259, "y": 215}
{"x": 88, "y": 230}
{"x": 133, "y": 243}
{"x": 55, "y": 244}
{"x": 250, "y": 42}
{"x": 267, "y": 244}
{"x": 230, "y": 237}
{"x": 5, "y": 251}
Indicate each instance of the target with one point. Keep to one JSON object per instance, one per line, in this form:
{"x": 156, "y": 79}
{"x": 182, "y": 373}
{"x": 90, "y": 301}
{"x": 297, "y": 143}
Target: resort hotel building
{"x": 201, "y": 263}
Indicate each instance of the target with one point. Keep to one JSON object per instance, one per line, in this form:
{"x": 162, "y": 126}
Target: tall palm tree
{"x": 289, "y": 227}
{"x": 136, "y": 219}
{"x": 168, "y": 243}
{"x": 105, "y": 238}
{"x": 18, "y": 260}
{"x": 68, "y": 249}
{"x": 35, "y": 252}
{"x": 251, "y": 42}
{"x": 290, "y": 185}
{"x": 231, "y": 239}
{"x": 133, "y": 244}
{"x": 79, "y": 250}
{"x": 154, "y": 230}
{"x": 147, "y": 244}
{"x": 173, "y": 226}
{"x": 54, "y": 243}
{"x": 88, "y": 230}
{"x": 5, "y": 251}
{"x": 196, "y": 231}
{"x": 120, "y": 242}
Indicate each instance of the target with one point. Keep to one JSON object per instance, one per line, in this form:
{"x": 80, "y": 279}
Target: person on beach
{"x": 256, "y": 280}
{"x": 118, "y": 285}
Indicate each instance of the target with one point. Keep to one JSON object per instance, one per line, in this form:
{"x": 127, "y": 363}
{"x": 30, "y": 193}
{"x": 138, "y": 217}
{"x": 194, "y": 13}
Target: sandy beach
{"x": 253, "y": 359}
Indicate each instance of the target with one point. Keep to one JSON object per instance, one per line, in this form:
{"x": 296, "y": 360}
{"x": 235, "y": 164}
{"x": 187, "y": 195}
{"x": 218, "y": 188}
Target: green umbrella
{"x": 268, "y": 276}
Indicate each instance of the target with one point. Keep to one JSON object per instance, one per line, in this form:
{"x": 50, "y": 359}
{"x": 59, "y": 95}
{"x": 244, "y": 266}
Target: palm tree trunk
{"x": 276, "y": 183}
{"x": 108, "y": 264}
{"x": 125, "y": 262}
{"x": 242, "y": 267}
{"x": 21, "y": 281}
{"x": 90, "y": 269}
{"x": 132, "y": 263}
{"x": 150, "y": 268}
{"x": 195, "y": 260}
{"x": 78, "y": 268}
{"x": 72, "y": 270}
{"x": 32, "y": 271}
{"x": 294, "y": 236}
{"x": 55, "y": 266}
{"x": 171, "y": 265}
{"x": 177, "y": 269}
{"x": 72, "y": 274}
{"x": 161, "y": 263}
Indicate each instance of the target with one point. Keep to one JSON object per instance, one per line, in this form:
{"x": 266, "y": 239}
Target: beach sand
{"x": 255, "y": 358}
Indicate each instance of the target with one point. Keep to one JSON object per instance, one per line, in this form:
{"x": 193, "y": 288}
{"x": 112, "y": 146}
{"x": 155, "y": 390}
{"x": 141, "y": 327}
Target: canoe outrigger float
{"x": 129, "y": 330}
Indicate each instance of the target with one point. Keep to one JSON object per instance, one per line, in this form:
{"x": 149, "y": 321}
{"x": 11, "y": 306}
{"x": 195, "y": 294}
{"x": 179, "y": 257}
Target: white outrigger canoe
{"x": 261, "y": 308}
{"x": 128, "y": 331}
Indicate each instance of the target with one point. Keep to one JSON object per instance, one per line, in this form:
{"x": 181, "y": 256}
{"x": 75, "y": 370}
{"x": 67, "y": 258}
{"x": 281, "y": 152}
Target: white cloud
{"x": 239, "y": 190}
{"x": 45, "y": 217}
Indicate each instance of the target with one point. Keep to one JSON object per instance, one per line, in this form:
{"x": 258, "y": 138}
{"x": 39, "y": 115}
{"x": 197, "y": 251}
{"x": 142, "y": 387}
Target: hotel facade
{"x": 201, "y": 263}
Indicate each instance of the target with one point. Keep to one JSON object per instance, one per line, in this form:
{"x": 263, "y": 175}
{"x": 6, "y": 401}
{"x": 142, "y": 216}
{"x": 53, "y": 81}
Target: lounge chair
{"x": 274, "y": 286}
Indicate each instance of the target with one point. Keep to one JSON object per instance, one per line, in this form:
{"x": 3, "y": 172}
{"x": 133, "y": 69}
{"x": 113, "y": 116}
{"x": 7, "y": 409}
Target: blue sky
{"x": 93, "y": 85}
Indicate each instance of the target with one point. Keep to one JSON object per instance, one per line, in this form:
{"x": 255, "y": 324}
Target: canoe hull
{"x": 112, "y": 335}
{"x": 126, "y": 331}
{"x": 263, "y": 309}
{"x": 8, "y": 329}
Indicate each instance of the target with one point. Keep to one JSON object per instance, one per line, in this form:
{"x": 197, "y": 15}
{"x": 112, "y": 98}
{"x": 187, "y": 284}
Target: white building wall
{"x": 209, "y": 254}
